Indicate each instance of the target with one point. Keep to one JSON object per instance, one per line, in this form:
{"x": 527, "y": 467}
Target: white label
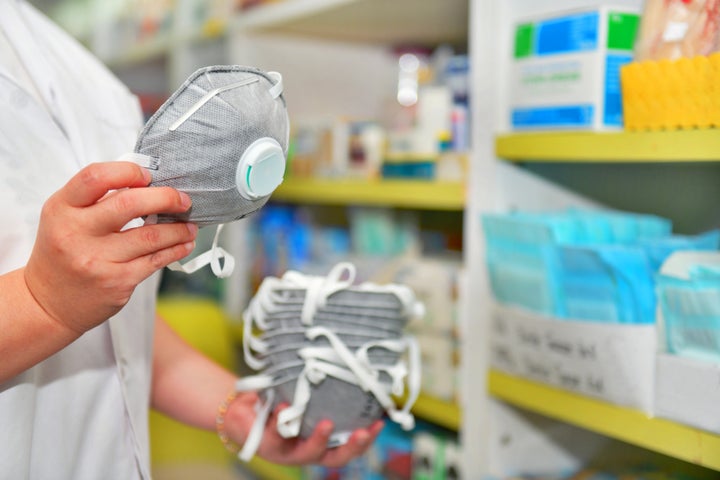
{"x": 607, "y": 361}
{"x": 675, "y": 31}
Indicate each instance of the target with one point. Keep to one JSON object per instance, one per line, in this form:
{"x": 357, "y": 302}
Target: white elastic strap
{"x": 207, "y": 97}
{"x": 367, "y": 379}
{"x": 141, "y": 159}
{"x": 397, "y": 372}
{"x": 277, "y": 89}
{"x": 318, "y": 289}
{"x": 413, "y": 378}
{"x": 250, "y": 343}
{"x": 262, "y": 412}
{"x": 212, "y": 257}
{"x": 289, "y": 420}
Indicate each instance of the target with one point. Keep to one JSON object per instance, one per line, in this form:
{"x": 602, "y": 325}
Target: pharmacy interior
{"x": 543, "y": 175}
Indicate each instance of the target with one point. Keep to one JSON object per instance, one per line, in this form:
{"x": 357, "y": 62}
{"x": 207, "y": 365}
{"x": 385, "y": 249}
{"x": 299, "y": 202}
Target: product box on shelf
{"x": 575, "y": 264}
{"x": 565, "y": 71}
{"x": 611, "y": 362}
{"x": 689, "y": 304}
{"x": 687, "y": 391}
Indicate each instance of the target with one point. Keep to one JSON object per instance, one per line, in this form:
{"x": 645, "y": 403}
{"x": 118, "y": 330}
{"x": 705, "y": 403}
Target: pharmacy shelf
{"x": 415, "y": 194}
{"x": 439, "y": 412}
{"x": 399, "y": 22}
{"x": 270, "y": 471}
{"x": 632, "y": 426}
{"x": 144, "y": 51}
{"x": 164, "y": 45}
{"x": 702, "y": 145}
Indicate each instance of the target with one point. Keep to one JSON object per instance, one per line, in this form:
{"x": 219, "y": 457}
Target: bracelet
{"x": 231, "y": 446}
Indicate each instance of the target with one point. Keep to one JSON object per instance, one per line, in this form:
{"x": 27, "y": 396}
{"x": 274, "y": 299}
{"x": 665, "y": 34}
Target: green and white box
{"x": 565, "y": 70}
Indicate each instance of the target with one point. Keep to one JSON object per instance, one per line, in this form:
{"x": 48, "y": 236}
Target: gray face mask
{"x": 222, "y": 138}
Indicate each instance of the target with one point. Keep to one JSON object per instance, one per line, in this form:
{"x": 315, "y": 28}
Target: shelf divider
{"x": 632, "y": 426}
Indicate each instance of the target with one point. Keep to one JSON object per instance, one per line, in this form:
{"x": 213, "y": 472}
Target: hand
{"x": 84, "y": 267}
{"x": 296, "y": 451}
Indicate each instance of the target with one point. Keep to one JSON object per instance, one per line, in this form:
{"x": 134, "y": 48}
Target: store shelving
{"x": 265, "y": 469}
{"x": 701, "y": 145}
{"x": 400, "y": 22}
{"x": 631, "y": 426}
{"x": 428, "y": 195}
{"x": 439, "y": 412}
{"x": 163, "y": 45}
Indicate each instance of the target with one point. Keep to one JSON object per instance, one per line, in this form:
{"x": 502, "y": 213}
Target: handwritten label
{"x": 609, "y": 361}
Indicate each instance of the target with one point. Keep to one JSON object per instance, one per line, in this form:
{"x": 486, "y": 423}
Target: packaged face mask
{"x": 222, "y": 138}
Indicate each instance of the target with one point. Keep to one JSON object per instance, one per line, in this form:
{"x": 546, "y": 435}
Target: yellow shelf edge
{"x": 440, "y": 412}
{"x": 632, "y": 426}
{"x": 429, "y": 195}
{"x": 701, "y": 145}
{"x": 270, "y": 471}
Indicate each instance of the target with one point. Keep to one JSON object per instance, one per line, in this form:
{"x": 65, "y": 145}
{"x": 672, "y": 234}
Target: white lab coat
{"x": 82, "y": 413}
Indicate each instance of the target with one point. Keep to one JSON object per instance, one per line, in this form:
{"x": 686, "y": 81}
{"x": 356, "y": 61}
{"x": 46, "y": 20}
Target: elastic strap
{"x": 262, "y": 412}
{"x": 146, "y": 161}
{"x": 277, "y": 89}
{"x": 207, "y": 97}
{"x": 212, "y": 257}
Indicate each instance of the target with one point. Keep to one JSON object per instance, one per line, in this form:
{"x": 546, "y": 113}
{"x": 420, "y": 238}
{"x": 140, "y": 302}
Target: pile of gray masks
{"x": 331, "y": 350}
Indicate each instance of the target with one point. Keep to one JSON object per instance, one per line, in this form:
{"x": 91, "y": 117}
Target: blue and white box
{"x": 565, "y": 71}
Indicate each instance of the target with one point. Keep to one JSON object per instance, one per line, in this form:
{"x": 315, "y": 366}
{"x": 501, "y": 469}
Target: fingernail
{"x": 185, "y": 200}
{"x": 147, "y": 176}
{"x": 192, "y": 228}
{"x": 190, "y": 246}
{"x": 363, "y": 439}
{"x": 325, "y": 428}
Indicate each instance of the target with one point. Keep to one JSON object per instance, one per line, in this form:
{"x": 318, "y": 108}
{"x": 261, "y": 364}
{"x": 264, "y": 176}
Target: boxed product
{"x": 565, "y": 72}
{"x": 687, "y": 391}
{"x": 611, "y": 362}
{"x": 689, "y": 304}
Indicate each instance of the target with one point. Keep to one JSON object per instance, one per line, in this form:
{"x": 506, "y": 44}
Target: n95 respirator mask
{"x": 222, "y": 138}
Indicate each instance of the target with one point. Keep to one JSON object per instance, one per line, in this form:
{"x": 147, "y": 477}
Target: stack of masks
{"x": 331, "y": 350}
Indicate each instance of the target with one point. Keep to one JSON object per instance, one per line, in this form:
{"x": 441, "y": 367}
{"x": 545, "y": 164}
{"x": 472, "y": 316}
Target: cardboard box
{"x": 688, "y": 391}
{"x": 565, "y": 72}
{"x": 611, "y": 362}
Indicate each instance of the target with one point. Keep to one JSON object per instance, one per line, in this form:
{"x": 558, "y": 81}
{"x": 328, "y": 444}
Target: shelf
{"x": 163, "y": 45}
{"x": 144, "y": 51}
{"x": 397, "y": 22}
{"x": 440, "y": 412}
{"x": 631, "y": 426}
{"x": 669, "y": 146}
{"x": 415, "y": 194}
{"x": 270, "y": 471}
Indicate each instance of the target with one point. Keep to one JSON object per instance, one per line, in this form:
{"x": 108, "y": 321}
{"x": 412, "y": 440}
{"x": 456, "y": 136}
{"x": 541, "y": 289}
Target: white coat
{"x": 82, "y": 413}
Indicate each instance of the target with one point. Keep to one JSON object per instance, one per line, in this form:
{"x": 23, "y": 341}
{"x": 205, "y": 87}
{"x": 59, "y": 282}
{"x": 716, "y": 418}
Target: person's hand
{"x": 84, "y": 266}
{"x": 296, "y": 451}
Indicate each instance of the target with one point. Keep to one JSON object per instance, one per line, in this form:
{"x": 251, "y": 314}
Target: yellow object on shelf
{"x": 622, "y": 423}
{"x": 671, "y": 94}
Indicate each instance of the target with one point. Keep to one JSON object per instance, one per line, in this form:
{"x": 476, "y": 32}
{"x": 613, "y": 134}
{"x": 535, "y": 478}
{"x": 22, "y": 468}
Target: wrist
{"x": 221, "y": 422}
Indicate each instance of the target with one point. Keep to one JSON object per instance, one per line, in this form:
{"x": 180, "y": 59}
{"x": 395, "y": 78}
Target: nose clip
{"x": 207, "y": 97}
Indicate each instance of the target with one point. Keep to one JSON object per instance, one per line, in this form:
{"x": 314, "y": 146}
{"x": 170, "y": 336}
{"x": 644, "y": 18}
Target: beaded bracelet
{"x": 231, "y": 446}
